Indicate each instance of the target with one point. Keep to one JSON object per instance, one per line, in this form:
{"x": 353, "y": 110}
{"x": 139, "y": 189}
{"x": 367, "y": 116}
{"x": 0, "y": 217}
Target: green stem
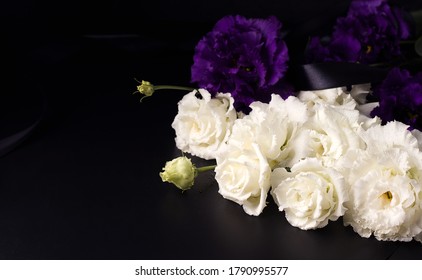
{"x": 172, "y": 87}
{"x": 205, "y": 168}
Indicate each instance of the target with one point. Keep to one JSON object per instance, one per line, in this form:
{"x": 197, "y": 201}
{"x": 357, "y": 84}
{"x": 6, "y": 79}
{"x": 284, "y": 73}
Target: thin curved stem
{"x": 206, "y": 168}
{"x": 172, "y": 87}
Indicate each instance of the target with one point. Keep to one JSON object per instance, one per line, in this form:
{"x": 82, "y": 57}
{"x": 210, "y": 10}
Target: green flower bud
{"x": 146, "y": 88}
{"x": 181, "y": 172}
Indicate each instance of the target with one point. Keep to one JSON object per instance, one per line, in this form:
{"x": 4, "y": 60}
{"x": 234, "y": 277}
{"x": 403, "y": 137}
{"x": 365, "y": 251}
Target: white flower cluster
{"x": 319, "y": 155}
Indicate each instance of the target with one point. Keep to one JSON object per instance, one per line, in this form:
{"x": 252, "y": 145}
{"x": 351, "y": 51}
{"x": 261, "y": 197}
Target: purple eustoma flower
{"x": 245, "y": 57}
{"x": 400, "y": 98}
{"x": 370, "y": 33}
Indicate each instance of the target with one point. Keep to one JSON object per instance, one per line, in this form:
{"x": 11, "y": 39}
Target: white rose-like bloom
{"x": 359, "y": 93}
{"x": 341, "y": 98}
{"x": 419, "y": 237}
{"x": 418, "y": 136}
{"x": 347, "y": 102}
{"x": 243, "y": 176}
{"x": 203, "y": 124}
{"x": 310, "y": 195}
{"x": 276, "y": 127}
{"x": 333, "y": 132}
{"x": 337, "y": 97}
{"x": 385, "y": 185}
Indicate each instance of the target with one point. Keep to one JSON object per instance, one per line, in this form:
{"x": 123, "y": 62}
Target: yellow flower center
{"x": 386, "y": 198}
{"x": 387, "y": 195}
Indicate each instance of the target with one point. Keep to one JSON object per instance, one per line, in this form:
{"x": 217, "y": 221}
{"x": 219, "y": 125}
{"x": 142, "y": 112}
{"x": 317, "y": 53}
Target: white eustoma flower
{"x": 203, "y": 124}
{"x": 341, "y": 98}
{"x": 419, "y": 237}
{"x": 337, "y": 97}
{"x": 333, "y": 132}
{"x": 418, "y": 136}
{"x": 359, "y": 93}
{"x": 243, "y": 176}
{"x": 385, "y": 184}
{"x": 310, "y": 195}
{"x": 276, "y": 128}
{"x": 347, "y": 102}
{"x": 367, "y": 122}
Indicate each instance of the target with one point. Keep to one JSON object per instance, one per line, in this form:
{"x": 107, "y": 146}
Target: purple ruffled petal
{"x": 373, "y": 25}
{"x": 246, "y": 57}
{"x": 400, "y": 98}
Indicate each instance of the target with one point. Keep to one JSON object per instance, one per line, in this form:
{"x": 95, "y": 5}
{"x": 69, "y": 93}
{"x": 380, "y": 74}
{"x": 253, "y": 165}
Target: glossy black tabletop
{"x": 84, "y": 182}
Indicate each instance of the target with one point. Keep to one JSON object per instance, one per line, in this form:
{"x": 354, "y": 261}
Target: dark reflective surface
{"x": 85, "y": 184}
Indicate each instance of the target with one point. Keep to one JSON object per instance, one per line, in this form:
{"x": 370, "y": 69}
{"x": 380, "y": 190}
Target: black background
{"x": 85, "y": 184}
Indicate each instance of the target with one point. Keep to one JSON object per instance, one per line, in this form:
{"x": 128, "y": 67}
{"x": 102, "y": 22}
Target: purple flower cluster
{"x": 400, "y": 98}
{"x": 245, "y": 57}
{"x": 371, "y": 32}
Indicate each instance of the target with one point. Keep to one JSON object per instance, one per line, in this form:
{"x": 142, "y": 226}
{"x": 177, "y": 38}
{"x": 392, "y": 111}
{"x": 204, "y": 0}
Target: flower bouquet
{"x": 348, "y": 145}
